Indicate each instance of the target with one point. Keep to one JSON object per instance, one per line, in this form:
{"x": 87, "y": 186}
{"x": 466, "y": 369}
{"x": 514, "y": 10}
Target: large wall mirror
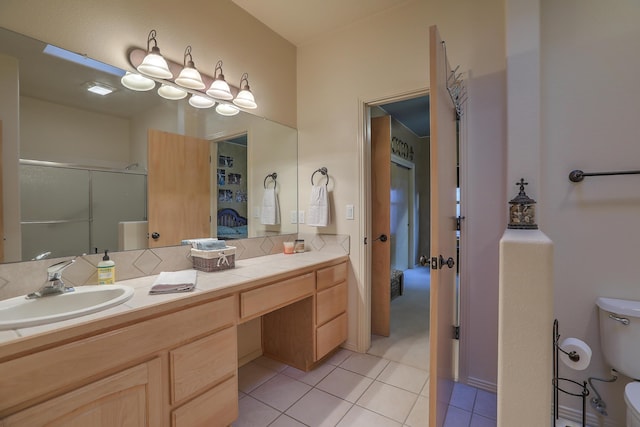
{"x": 83, "y": 160}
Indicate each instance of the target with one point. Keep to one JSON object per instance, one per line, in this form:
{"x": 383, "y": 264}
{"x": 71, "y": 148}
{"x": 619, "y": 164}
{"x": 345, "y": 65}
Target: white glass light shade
{"x": 170, "y": 92}
{"x": 198, "y": 101}
{"x": 245, "y": 99}
{"x": 220, "y": 89}
{"x": 190, "y": 78}
{"x": 135, "y": 81}
{"x": 154, "y": 65}
{"x": 226, "y": 110}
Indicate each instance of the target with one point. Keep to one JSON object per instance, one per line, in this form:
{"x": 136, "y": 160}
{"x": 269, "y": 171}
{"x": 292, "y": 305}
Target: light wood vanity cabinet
{"x": 174, "y": 365}
{"x": 155, "y": 372}
{"x": 302, "y": 333}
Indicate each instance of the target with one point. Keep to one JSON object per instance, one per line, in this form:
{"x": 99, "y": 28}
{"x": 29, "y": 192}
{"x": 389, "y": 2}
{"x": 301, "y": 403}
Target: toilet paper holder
{"x": 582, "y": 390}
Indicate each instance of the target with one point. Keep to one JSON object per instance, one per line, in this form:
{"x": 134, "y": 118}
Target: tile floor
{"x": 351, "y": 389}
{"x": 389, "y": 386}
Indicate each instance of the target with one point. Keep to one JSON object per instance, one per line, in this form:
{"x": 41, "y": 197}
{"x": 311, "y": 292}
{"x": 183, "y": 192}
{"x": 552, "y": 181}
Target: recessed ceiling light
{"x": 99, "y": 88}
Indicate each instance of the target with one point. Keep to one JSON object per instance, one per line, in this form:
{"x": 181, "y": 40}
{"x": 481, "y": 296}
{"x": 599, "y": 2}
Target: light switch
{"x": 293, "y": 216}
{"x": 300, "y": 217}
{"x": 349, "y": 211}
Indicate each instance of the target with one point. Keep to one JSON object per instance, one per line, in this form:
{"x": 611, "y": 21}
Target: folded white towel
{"x": 270, "y": 214}
{"x": 175, "y": 281}
{"x": 318, "y": 215}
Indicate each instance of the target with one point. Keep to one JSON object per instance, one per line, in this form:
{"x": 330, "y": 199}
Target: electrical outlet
{"x": 300, "y": 217}
{"x": 349, "y": 212}
{"x": 293, "y": 216}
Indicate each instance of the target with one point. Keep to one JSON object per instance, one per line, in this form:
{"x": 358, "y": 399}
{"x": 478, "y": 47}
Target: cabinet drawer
{"x": 330, "y": 335}
{"x": 331, "y": 302}
{"x": 329, "y": 276}
{"x": 216, "y": 407}
{"x": 197, "y": 365}
{"x": 271, "y": 297}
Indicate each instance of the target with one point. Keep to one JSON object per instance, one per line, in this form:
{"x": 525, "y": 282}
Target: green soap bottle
{"x": 106, "y": 270}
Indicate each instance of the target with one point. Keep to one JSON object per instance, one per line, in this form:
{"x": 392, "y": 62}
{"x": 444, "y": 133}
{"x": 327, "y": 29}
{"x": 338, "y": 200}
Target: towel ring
{"x": 273, "y": 176}
{"x": 324, "y": 172}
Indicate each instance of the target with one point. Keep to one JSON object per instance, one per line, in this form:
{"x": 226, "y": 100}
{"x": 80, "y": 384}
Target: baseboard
{"x": 350, "y": 346}
{"x": 482, "y": 384}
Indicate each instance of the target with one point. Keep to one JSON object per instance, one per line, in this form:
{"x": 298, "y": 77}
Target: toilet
{"x": 620, "y": 342}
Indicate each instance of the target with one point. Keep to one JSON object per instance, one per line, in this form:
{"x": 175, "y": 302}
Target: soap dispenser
{"x": 106, "y": 270}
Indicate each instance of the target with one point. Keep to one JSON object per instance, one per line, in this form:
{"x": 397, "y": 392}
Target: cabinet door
{"x": 130, "y": 398}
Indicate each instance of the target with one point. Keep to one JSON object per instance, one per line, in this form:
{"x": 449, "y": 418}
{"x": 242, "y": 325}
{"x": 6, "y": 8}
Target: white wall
{"x": 590, "y": 113}
{"x": 387, "y": 55}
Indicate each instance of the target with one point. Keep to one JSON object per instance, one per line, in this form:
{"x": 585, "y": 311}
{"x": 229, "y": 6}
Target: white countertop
{"x": 245, "y": 271}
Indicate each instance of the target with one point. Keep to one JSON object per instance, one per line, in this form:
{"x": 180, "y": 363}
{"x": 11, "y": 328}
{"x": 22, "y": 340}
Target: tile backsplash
{"x": 23, "y": 277}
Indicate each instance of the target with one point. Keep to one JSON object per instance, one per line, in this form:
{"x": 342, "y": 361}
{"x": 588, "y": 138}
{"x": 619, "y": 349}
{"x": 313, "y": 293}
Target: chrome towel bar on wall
{"x": 578, "y": 175}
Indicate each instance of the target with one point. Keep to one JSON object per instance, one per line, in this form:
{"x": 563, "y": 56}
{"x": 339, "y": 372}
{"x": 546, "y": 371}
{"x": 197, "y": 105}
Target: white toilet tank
{"x": 620, "y": 334}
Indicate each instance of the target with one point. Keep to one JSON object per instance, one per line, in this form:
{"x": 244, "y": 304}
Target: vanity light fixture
{"x": 171, "y": 92}
{"x": 245, "y": 98}
{"x": 189, "y": 77}
{"x": 154, "y": 64}
{"x": 227, "y": 110}
{"x": 199, "y": 101}
{"x": 137, "y": 82}
{"x": 219, "y": 87}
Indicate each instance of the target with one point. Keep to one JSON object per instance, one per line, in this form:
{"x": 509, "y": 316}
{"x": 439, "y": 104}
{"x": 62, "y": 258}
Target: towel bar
{"x": 578, "y": 175}
{"x": 323, "y": 171}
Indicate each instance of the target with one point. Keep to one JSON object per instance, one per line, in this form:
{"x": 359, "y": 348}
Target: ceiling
{"x": 302, "y": 21}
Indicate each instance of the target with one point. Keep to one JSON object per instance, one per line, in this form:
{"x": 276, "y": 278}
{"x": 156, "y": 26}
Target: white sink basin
{"x": 20, "y": 312}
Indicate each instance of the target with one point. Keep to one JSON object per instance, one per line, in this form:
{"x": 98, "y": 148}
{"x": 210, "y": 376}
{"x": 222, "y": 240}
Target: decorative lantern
{"x": 522, "y": 210}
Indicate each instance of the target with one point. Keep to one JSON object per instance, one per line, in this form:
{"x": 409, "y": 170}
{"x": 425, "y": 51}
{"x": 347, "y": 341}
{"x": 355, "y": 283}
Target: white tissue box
{"x": 215, "y": 259}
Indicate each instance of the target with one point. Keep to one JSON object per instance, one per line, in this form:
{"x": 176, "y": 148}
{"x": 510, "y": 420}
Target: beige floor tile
{"x": 419, "y": 415}
{"x": 312, "y": 377}
{"x": 286, "y": 421}
{"x": 387, "y": 400}
{"x": 252, "y": 375}
{"x": 319, "y": 409}
{"x": 365, "y": 364}
{"x": 253, "y": 413}
{"x": 404, "y": 377}
{"x": 280, "y": 392}
{"x": 344, "y": 384}
{"x": 361, "y": 417}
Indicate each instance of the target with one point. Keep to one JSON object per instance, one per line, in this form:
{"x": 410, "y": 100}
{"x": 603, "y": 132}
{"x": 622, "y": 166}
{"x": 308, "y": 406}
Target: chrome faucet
{"x": 54, "y": 284}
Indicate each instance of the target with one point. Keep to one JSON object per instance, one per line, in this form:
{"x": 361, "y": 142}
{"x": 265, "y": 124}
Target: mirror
{"x": 84, "y": 156}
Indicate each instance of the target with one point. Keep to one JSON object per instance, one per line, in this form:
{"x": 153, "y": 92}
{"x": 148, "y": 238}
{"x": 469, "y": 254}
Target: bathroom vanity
{"x": 174, "y": 362}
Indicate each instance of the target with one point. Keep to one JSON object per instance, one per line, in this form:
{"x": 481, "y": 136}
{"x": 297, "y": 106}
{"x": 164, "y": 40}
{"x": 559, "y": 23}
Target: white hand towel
{"x": 270, "y": 214}
{"x": 176, "y": 281}
{"x": 318, "y": 215}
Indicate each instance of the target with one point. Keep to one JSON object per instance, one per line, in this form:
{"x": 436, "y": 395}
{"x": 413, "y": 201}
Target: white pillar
{"x": 525, "y": 328}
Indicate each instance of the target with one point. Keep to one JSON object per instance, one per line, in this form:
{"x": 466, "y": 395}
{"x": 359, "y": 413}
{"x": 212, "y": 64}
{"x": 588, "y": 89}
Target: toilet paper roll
{"x": 578, "y": 347}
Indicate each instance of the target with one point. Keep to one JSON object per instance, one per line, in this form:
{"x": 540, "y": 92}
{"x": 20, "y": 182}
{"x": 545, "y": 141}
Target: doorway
{"x": 399, "y": 129}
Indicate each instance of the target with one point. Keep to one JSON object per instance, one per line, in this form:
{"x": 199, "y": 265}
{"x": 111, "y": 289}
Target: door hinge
{"x": 456, "y": 332}
{"x": 459, "y": 222}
